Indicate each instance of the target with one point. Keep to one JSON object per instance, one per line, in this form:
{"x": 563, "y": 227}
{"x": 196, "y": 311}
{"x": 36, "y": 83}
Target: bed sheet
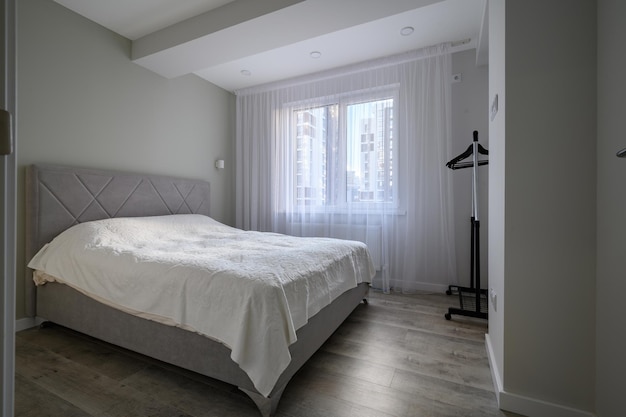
{"x": 248, "y": 290}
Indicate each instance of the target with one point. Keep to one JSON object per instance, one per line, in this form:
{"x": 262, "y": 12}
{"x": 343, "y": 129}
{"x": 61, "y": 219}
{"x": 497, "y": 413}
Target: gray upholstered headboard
{"x": 58, "y": 197}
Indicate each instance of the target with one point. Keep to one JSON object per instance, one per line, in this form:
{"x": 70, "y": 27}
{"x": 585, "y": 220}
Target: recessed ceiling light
{"x": 246, "y": 73}
{"x": 316, "y": 54}
{"x": 406, "y": 31}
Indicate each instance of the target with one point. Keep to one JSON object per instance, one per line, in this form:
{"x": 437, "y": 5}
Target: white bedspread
{"x": 248, "y": 290}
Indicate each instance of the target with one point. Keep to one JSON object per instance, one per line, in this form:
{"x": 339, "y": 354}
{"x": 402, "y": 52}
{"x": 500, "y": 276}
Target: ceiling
{"x": 242, "y": 43}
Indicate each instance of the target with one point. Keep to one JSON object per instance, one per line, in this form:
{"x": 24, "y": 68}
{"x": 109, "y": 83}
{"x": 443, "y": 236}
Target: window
{"x": 344, "y": 152}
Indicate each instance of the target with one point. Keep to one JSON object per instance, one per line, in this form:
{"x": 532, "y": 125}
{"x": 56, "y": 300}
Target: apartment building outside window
{"x": 345, "y": 153}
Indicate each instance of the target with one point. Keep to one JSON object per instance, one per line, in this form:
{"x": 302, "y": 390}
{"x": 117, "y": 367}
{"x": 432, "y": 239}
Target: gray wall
{"x": 82, "y": 102}
{"x": 611, "y": 273}
{"x": 543, "y": 239}
{"x": 469, "y": 113}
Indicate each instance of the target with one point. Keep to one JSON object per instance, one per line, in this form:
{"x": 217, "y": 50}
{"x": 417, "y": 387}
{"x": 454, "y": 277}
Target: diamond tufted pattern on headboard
{"x": 59, "y": 197}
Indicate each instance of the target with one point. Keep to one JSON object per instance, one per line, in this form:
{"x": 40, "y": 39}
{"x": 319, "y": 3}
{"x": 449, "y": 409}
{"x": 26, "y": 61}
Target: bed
{"x": 66, "y": 204}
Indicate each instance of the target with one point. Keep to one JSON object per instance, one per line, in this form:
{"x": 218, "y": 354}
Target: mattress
{"x": 249, "y": 290}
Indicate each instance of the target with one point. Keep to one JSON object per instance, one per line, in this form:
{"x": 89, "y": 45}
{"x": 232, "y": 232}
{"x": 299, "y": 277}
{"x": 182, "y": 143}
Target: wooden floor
{"x": 396, "y": 356}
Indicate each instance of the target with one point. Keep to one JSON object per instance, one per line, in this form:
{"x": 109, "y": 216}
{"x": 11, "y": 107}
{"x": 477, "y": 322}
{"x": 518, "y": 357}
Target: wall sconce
{"x": 622, "y": 153}
{"x": 219, "y": 164}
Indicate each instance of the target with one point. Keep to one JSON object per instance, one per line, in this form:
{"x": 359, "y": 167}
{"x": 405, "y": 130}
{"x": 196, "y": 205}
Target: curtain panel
{"x": 300, "y": 171}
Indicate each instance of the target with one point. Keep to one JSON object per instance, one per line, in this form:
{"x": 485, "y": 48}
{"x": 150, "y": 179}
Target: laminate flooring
{"x": 394, "y": 357}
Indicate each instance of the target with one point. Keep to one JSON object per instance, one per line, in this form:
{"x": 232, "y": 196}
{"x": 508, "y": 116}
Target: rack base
{"x": 471, "y": 303}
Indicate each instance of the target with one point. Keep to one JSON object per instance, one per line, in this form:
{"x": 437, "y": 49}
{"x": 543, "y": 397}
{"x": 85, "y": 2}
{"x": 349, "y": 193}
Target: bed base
{"x": 67, "y": 307}
{"x": 58, "y": 197}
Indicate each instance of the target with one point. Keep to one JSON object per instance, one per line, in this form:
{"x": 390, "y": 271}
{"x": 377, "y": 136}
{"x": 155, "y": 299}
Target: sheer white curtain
{"x": 356, "y": 153}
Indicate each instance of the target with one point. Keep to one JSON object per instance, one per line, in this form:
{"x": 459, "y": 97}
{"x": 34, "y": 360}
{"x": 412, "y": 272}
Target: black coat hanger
{"x": 454, "y": 162}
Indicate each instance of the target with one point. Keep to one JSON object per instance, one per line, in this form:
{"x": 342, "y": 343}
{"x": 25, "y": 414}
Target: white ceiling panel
{"x": 272, "y": 39}
{"x": 136, "y": 18}
{"x": 356, "y": 44}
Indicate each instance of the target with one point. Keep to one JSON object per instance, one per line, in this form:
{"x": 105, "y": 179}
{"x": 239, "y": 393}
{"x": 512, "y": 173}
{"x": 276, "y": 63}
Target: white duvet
{"x": 248, "y": 290}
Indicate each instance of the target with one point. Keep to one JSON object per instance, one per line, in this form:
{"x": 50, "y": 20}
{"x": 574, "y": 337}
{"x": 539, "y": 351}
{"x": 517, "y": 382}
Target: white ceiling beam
{"x": 205, "y": 24}
{"x": 244, "y": 28}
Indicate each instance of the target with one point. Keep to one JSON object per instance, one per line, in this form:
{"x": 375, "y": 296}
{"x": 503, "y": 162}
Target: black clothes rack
{"x": 472, "y": 299}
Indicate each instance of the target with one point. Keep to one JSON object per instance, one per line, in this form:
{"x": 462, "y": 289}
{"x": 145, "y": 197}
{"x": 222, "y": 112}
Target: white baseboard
{"x": 27, "y": 323}
{"x": 410, "y": 287}
{"x": 533, "y": 407}
{"x": 493, "y": 366}
{"x": 526, "y": 406}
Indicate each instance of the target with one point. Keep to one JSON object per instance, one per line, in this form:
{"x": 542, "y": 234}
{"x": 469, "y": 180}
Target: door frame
{"x": 8, "y": 185}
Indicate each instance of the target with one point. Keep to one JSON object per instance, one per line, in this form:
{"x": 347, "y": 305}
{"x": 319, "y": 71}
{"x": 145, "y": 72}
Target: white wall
{"x": 497, "y": 169}
{"x": 82, "y": 102}
{"x": 544, "y": 246}
{"x": 469, "y": 113}
{"x": 611, "y": 272}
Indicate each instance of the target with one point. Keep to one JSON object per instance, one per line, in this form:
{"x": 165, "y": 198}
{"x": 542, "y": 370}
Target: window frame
{"x": 343, "y": 101}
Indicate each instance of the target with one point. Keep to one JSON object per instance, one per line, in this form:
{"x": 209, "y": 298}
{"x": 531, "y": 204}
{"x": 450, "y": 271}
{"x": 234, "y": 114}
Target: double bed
{"x": 136, "y": 260}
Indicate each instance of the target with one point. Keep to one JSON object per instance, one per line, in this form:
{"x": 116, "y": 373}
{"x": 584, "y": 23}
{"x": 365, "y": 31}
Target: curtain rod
{"x": 415, "y": 55}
